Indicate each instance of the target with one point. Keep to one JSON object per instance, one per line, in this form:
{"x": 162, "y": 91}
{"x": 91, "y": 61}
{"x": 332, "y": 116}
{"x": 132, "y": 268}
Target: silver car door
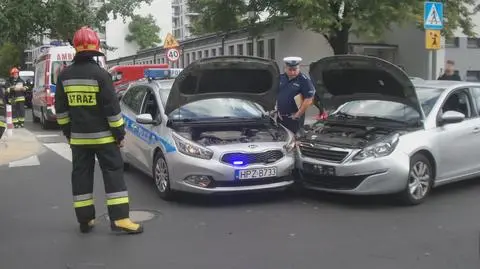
{"x": 148, "y": 132}
{"x": 133, "y": 100}
{"x": 455, "y": 140}
{"x": 475, "y": 91}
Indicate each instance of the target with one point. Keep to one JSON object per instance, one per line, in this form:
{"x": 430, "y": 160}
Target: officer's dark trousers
{"x": 19, "y": 112}
{"x": 111, "y": 163}
{"x": 293, "y": 124}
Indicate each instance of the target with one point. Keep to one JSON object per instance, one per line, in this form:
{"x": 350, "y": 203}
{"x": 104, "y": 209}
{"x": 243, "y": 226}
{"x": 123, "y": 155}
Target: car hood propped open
{"x": 249, "y": 78}
{"x": 358, "y": 77}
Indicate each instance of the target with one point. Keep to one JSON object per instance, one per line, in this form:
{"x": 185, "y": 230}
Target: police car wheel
{"x": 161, "y": 177}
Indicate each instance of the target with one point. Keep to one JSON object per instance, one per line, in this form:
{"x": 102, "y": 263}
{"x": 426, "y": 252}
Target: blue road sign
{"x": 433, "y": 16}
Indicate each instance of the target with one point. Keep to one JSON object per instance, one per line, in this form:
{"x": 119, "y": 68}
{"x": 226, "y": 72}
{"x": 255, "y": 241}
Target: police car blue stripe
{"x": 146, "y": 135}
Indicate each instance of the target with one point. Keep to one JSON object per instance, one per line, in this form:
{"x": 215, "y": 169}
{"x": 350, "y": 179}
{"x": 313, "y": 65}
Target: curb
{"x": 22, "y": 144}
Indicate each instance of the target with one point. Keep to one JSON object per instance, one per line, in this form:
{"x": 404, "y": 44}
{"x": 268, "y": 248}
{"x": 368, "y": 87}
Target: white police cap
{"x": 292, "y": 61}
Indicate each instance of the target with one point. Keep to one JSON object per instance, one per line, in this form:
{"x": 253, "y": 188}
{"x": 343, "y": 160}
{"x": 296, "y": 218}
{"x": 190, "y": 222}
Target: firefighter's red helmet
{"x": 14, "y": 71}
{"x": 85, "y": 39}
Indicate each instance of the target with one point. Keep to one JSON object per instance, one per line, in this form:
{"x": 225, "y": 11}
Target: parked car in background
{"x": 207, "y": 131}
{"x": 391, "y": 135}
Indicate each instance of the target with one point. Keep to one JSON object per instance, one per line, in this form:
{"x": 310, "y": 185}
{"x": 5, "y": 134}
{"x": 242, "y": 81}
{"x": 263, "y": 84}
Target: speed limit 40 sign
{"x": 173, "y": 54}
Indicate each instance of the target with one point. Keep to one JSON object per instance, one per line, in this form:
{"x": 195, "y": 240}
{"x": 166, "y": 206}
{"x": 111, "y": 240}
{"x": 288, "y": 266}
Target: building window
{"x": 261, "y": 48}
{"x": 206, "y": 53}
{"x": 188, "y": 58}
{"x": 199, "y": 55}
{"x": 240, "y": 49}
{"x": 231, "y": 50}
{"x": 250, "y": 49}
{"x": 163, "y": 60}
{"x": 271, "y": 48}
{"x": 473, "y": 43}
{"x": 194, "y": 56}
{"x": 473, "y": 75}
{"x": 214, "y": 52}
{"x": 453, "y": 42}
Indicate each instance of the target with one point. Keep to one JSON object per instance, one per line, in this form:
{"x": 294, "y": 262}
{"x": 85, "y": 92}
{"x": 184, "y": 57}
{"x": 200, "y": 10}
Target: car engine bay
{"x": 345, "y": 136}
{"x": 241, "y": 133}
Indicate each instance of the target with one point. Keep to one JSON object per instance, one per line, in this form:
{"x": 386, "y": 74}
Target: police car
{"x": 206, "y": 128}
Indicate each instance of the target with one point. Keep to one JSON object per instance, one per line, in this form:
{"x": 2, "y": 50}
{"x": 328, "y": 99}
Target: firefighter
{"x": 89, "y": 113}
{"x": 16, "y": 90}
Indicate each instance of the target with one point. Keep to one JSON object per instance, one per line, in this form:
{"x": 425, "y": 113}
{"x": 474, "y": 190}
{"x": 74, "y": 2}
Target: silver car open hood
{"x": 250, "y": 78}
{"x": 358, "y": 77}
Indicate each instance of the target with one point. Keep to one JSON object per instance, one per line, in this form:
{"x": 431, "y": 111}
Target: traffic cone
{"x": 9, "y": 131}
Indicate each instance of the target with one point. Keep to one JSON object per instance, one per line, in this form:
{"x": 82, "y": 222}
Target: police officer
{"x": 295, "y": 95}
{"x": 16, "y": 89}
{"x": 89, "y": 113}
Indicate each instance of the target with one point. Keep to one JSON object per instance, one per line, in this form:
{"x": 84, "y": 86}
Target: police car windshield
{"x": 213, "y": 108}
{"x": 390, "y": 110}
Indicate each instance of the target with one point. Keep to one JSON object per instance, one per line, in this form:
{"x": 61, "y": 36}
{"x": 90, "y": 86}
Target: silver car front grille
{"x": 323, "y": 153}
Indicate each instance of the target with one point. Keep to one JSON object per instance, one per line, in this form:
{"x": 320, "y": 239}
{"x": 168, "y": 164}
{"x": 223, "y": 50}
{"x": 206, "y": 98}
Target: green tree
{"x": 336, "y": 19}
{"x": 9, "y": 57}
{"x": 144, "y": 31}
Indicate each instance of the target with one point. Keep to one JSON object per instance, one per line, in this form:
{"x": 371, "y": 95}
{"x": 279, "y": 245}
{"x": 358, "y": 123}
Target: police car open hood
{"x": 243, "y": 77}
{"x": 358, "y": 77}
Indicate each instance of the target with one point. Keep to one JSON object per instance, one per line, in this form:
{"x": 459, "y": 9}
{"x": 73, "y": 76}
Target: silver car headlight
{"x": 380, "y": 149}
{"x": 191, "y": 149}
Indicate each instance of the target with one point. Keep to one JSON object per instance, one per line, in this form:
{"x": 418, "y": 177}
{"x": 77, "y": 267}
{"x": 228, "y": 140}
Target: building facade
{"x": 181, "y": 20}
{"x": 403, "y": 46}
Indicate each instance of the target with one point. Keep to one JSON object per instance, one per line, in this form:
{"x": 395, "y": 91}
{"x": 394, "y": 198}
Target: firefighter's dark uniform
{"x": 89, "y": 113}
{"x": 17, "y": 98}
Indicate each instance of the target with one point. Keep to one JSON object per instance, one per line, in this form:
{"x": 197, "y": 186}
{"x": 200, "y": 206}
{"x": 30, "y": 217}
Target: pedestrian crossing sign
{"x": 170, "y": 42}
{"x": 433, "y": 16}
{"x": 432, "y": 39}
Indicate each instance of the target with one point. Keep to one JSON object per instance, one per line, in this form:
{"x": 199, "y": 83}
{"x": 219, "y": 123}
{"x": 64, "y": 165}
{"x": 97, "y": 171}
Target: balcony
{"x": 176, "y": 3}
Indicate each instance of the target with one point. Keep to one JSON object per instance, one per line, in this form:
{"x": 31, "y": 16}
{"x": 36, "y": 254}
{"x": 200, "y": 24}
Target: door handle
{"x": 476, "y": 130}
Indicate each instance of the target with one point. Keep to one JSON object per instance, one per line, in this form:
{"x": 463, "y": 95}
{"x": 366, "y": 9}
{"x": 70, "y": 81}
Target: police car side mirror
{"x": 145, "y": 119}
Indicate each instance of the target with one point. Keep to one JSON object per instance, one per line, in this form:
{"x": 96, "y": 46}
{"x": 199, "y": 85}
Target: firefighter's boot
{"x": 126, "y": 226}
{"x": 87, "y": 227}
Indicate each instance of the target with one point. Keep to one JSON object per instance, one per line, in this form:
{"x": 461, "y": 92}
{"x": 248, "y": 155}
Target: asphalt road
{"x": 264, "y": 231}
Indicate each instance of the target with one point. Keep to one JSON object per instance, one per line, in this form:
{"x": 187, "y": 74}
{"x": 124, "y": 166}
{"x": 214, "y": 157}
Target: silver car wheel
{"x": 420, "y": 180}
{"x": 161, "y": 175}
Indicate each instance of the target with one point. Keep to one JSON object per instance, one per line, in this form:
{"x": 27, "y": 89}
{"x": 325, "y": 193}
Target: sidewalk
{"x": 20, "y": 145}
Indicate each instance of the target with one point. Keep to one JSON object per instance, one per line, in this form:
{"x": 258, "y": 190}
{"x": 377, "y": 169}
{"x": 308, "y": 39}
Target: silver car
{"x": 208, "y": 130}
{"x": 389, "y": 135}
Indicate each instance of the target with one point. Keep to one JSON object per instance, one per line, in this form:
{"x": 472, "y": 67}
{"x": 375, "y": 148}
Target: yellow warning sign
{"x": 170, "y": 42}
{"x": 432, "y": 39}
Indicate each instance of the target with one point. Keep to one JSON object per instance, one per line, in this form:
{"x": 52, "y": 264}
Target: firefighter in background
{"x": 16, "y": 90}
{"x": 89, "y": 113}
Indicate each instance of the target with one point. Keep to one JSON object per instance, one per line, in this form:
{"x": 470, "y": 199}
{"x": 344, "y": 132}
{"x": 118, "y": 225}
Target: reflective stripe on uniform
{"x": 80, "y": 85}
{"x": 98, "y": 138}
{"x": 20, "y": 99}
{"x": 83, "y": 200}
{"x": 115, "y": 121}
{"x": 117, "y": 198}
{"x": 63, "y": 118}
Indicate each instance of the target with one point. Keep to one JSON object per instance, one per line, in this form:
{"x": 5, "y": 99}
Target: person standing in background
{"x": 449, "y": 73}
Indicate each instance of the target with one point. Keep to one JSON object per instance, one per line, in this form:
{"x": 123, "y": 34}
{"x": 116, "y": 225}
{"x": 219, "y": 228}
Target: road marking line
{"x": 47, "y": 135}
{"x": 30, "y": 161}
{"x": 62, "y": 149}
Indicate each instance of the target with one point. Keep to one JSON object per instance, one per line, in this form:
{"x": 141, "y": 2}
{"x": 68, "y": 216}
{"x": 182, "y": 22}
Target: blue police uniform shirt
{"x": 289, "y": 89}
